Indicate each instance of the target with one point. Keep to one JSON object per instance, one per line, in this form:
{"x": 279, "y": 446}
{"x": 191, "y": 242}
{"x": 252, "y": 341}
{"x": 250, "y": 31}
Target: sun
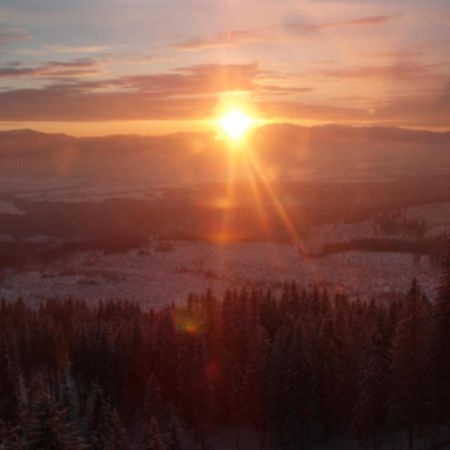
{"x": 235, "y": 124}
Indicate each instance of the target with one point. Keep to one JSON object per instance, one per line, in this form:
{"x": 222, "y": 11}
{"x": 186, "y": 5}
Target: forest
{"x": 293, "y": 367}
{"x": 433, "y": 248}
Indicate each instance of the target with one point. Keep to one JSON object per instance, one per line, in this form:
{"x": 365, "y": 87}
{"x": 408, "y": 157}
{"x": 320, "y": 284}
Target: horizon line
{"x": 201, "y": 127}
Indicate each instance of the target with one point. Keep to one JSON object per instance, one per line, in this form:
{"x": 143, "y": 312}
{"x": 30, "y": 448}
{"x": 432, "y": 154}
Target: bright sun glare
{"x": 235, "y": 124}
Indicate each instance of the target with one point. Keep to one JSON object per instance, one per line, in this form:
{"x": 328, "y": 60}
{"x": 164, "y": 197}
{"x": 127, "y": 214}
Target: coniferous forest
{"x": 292, "y": 368}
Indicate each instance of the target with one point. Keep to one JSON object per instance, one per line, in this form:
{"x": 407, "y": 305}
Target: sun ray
{"x": 257, "y": 195}
{"x": 284, "y": 216}
{"x": 223, "y": 236}
{"x": 235, "y": 125}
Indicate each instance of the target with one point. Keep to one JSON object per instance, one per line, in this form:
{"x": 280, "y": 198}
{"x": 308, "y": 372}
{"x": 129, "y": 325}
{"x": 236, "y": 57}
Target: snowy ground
{"x": 154, "y": 278}
{"x": 9, "y": 208}
{"x": 436, "y": 215}
{"x": 70, "y": 191}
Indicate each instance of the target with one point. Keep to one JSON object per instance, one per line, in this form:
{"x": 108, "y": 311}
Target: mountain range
{"x": 284, "y": 150}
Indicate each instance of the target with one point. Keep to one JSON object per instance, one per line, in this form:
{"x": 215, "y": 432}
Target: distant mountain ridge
{"x": 329, "y": 131}
{"x": 288, "y": 150}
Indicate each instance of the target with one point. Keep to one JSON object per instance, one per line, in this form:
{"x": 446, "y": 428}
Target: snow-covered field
{"x": 436, "y": 215}
{"x": 9, "y": 208}
{"x": 155, "y": 278}
{"x": 59, "y": 191}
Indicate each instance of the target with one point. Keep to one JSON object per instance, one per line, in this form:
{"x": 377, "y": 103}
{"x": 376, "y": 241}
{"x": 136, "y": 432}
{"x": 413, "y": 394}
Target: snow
{"x": 155, "y": 278}
{"x": 10, "y": 208}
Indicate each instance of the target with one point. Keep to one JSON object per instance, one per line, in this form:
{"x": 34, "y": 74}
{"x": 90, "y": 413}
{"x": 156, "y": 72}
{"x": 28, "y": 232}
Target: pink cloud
{"x": 401, "y": 71}
{"x": 239, "y": 37}
{"x": 8, "y": 36}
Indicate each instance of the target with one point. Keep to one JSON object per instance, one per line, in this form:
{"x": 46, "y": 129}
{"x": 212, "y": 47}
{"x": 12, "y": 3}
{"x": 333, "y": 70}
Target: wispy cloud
{"x": 368, "y": 21}
{"x": 52, "y": 69}
{"x": 400, "y": 71}
{"x": 411, "y": 111}
{"x": 69, "y": 49}
{"x": 7, "y": 36}
{"x": 59, "y": 49}
{"x": 192, "y": 80}
{"x": 225, "y": 39}
{"x": 263, "y": 34}
{"x": 62, "y": 103}
{"x": 201, "y": 80}
{"x": 187, "y": 80}
{"x": 187, "y": 91}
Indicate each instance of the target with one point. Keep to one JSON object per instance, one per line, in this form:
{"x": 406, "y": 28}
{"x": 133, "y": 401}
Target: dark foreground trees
{"x": 293, "y": 367}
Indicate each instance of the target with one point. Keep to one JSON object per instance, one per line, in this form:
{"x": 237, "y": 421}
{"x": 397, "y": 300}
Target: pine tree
{"x": 103, "y": 424}
{"x": 253, "y": 398}
{"x": 153, "y": 401}
{"x": 47, "y": 427}
{"x": 69, "y": 398}
{"x": 439, "y": 348}
{"x": 289, "y": 386}
{"x": 10, "y": 404}
{"x": 153, "y": 438}
{"x": 173, "y": 440}
{"x": 369, "y": 410}
{"x": 408, "y": 355}
{"x": 331, "y": 369}
{"x": 282, "y": 365}
{"x": 10, "y": 438}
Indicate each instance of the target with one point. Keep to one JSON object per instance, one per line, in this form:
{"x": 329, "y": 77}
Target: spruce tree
{"x": 369, "y": 410}
{"x": 439, "y": 348}
{"x": 153, "y": 401}
{"x": 173, "y": 439}
{"x": 408, "y": 356}
{"x": 103, "y": 424}
{"x": 153, "y": 438}
{"x": 48, "y": 428}
{"x": 10, "y": 403}
{"x": 10, "y": 438}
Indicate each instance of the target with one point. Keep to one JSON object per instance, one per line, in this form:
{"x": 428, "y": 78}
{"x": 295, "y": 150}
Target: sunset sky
{"x": 147, "y": 66}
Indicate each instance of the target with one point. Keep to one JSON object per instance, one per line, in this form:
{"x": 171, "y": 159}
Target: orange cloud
{"x": 63, "y": 103}
{"x": 192, "y": 92}
{"x": 197, "y": 79}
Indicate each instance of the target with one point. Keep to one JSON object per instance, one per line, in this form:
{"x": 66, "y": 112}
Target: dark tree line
{"x": 19, "y": 254}
{"x": 397, "y": 222}
{"x": 295, "y": 367}
{"x": 433, "y": 248}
